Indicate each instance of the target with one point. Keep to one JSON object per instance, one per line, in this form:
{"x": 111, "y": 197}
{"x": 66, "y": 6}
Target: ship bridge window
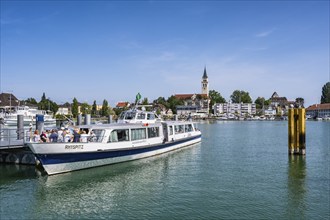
{"x": 119, "y": 135}
{"x": 188, "y": 128}
{"x": 153, "y": 132}
{"x": 130, "y": 115}
{"x": 150, "y": 116}
{"x": 179, "y": 129}
{"x": 138, "y": 134}
{"x": 141, "y": 115}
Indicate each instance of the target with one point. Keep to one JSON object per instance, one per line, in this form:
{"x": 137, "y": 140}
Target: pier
{"x": 13, "y": 149}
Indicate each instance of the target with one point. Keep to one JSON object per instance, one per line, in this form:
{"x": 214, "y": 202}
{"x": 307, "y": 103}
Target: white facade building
{"x": 232, "y": 108}
{"x": 62, "y": 111}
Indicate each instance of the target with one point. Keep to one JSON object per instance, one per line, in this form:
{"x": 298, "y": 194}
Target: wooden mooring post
{"x": 297, "y": 131}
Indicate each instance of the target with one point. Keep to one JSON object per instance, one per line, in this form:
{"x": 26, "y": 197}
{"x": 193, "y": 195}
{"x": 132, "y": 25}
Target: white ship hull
{"x": 57, "y": 168}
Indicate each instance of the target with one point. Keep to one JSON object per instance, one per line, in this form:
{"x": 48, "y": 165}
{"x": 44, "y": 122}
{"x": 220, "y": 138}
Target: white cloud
{"x": 265, "y": 33}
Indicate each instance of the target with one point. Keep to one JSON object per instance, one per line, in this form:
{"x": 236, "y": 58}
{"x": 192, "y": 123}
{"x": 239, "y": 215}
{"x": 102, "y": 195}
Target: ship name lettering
{"x": 74, "y": 147}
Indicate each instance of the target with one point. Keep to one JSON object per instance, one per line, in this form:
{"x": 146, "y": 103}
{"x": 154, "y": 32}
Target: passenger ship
{"x": 138, "y": 134}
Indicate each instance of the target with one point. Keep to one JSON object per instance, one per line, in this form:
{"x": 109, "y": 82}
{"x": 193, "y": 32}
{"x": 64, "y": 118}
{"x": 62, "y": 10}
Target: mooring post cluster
{"x": 297, "y": 131}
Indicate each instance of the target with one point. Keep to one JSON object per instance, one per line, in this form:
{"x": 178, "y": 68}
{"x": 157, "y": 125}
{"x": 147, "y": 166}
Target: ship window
{"x": 130, "y": 115}
{"x": 97, "y": 135}
{"x": 138, "y": 134}
{"x": 153, "y": 132}
{"x": 188, "y": 128}
{"x": 141, "y": 115}
{"x": 119, "y": 135}
{"x": 150, "y": 116}
{"x": 171, "y": 130}
{"x": 179, "y": 129}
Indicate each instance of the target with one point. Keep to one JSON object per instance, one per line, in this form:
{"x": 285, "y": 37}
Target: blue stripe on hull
{"x": 47, "y": 159}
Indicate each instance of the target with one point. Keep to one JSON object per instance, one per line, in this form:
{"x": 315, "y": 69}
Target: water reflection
{"x": 296, "y": 187}
{"x": 13, "y": 172}
{"x": 109, "y": 189}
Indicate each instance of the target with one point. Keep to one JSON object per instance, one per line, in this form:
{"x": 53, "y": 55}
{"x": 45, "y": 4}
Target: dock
{"x": 13, "y": 148}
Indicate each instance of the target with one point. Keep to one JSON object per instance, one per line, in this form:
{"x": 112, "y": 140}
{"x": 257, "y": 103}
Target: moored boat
{"x": 135, "y": 137}
{"x": 9, "y": 118}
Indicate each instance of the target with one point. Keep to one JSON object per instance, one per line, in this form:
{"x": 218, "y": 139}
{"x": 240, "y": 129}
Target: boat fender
{"x": 12, "y": 158}
{"x": 28, "y": 159}
{"x": 146, "y": 124}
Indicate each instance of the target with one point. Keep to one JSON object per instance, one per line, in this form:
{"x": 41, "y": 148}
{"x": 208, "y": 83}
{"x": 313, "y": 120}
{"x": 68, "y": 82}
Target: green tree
{"x": 160, "y": 100}
{"x": 173, "y": 102}
{"x": 325, "y": 98}
{"x": 53, "y": 106}
{"x": 105, "y": 108}
{"x": 145, "y": 101}
{"x": 44, "y": 103}
{"x": 31, "y": 101}
{"x": 94, "y": 109}
{"x": 74, "y": 108}
{"x": 43, "y": 97}
{"x": 239, "y": 96}
{"x": 85, "y": 108}
{"x": 215, "y": 97}
{"x": 300, "y": 101}
{"x": 260, "y": 102}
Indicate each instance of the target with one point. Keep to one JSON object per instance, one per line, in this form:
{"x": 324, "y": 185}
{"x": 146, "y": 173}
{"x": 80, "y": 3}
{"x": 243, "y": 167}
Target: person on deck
{"x": 76, "y": 135}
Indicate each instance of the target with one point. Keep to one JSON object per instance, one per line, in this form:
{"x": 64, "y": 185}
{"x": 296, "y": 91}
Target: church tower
{"x": 205, "y": 83}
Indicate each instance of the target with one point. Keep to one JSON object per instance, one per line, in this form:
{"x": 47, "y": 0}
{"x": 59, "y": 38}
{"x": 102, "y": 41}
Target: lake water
{"x": 240, "y": 170}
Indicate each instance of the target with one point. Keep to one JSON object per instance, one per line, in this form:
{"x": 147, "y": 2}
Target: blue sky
{"x": 95, "y": 50}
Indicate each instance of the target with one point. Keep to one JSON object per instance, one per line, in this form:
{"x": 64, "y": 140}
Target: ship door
{"x": 165, "y": 132}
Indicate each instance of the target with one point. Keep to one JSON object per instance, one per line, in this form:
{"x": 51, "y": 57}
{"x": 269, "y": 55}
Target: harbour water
{"x": 241, "y": 170}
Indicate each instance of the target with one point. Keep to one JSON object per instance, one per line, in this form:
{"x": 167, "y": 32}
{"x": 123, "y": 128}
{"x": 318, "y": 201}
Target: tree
{"x": 325, "y": 98}
{"x": 44, "y": 103}
{"x": 145, "y": 101}
{"x": 215, "y": 97}
{"x": 85, "y": 108}
{"x": 260, "y": 102}
{"x": 43, "y": 97}
{"x": 300, "y": 101}
{"x": 160, "y": 100}
{"x": 74, "y": 108}
{"x": 53, "y": 106}
{"x": 239, "y": 96}
{"x": 94, "y": 109}
{"x": 31, "y": 101}
{"x": 173, "y": 102}
{"x": 105, "y": 108}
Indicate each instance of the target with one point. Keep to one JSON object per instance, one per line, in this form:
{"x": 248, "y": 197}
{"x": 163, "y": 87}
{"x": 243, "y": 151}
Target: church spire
{"x": 205, "y": 74}
{"x": 205, "y": 83}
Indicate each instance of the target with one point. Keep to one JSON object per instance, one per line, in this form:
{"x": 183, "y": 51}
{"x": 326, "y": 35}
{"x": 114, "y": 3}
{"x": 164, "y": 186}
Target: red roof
{"x": 122, "y": 104}
{"x": 188, "y": 96}
{"x": 325, "y": 106}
